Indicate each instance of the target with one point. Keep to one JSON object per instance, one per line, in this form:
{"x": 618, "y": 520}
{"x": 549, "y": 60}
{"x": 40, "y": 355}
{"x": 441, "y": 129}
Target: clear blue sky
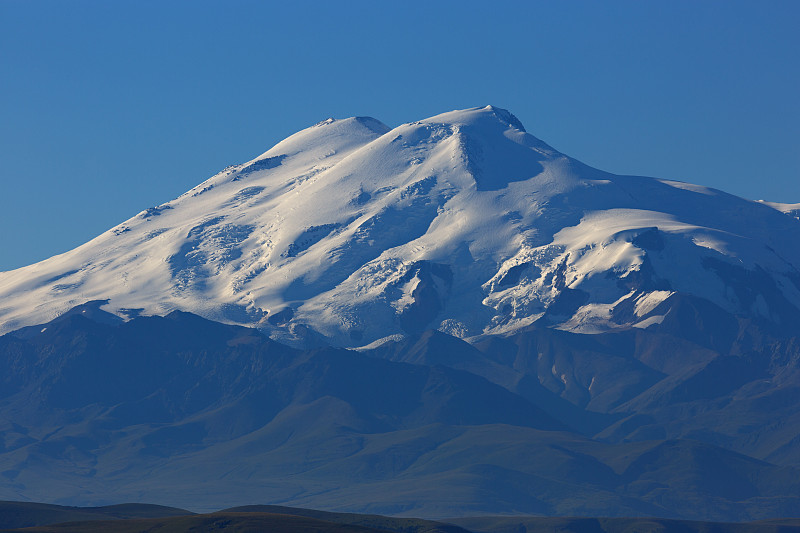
{"x": 109, "y": 107}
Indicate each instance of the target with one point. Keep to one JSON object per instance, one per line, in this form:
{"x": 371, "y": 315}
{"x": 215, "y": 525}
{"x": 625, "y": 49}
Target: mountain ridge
{"x": 196, "y": 414}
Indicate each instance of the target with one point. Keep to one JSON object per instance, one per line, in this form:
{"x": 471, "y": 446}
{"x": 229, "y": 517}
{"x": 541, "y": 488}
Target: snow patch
{"x": 649, "y": 321}
{"x": 649, "y": 301}
{"x": 689, "y": 187}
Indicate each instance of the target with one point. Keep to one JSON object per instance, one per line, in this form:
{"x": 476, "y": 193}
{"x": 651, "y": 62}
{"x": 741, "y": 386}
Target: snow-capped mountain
{"x": 351, "y": 232}
{"x": 632, "y": 342}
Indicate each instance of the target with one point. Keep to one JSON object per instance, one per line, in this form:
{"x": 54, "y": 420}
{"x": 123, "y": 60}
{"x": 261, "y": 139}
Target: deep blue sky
{"x": 109, "y": 107}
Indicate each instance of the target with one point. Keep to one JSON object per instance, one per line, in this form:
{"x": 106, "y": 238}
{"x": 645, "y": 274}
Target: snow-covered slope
{"x": 793, "y": 210}
{"x": 351, "y": 232}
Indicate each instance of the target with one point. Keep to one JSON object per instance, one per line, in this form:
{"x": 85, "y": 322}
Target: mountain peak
{"x": 368, "y": 122}
{"x": 479, "y": 115}
{"x": 506, "y": 116}
{"x": 330, "y": 136}
{"x": 462, "y": 222}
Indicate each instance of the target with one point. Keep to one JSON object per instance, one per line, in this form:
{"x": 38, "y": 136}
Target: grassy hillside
{"x": 388, "y": 523}
{"x": 27, "y": 514}
{"x": 39, "y": 517}
{"x": 138, "y": 518}
{"x": 229, "y": 522}
{"x": 517, "y": 524}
